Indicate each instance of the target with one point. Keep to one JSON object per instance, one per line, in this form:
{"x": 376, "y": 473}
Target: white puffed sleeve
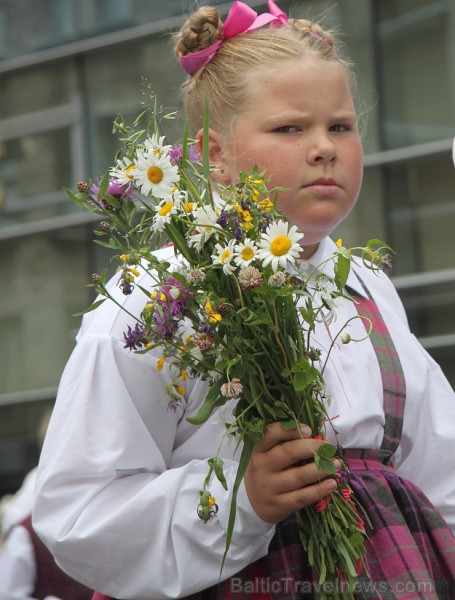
{"x": 119, "y": 476}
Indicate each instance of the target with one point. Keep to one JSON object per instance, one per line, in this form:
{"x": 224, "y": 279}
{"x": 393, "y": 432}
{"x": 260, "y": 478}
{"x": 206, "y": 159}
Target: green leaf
{"x": 79, "y": 198}
{"x": 179, "y": 242}
{"x": 356, "y": 539}
{"x": 327, "y": 451}
{"x": 323, "y": 459}
{"x": 212, "y": 400}
{"x": 342, "y": 268}
{"x": 139, "y": 118}
{"x": 102, "y": 190}
{"x": 288, "y": 425}
{"x": 205, "y": 145}
{"x": 218, "y": 468}
{"x": 348, "y": 561}
{"x": 302, "y": 379}
{"x": 93, "y": 306}
{"x": 325, "y": 465}
{"x": 247, "y": 450}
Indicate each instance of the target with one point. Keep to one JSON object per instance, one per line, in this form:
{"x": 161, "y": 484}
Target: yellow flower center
{"x": 247, "y": 253}
{"x": 166, "y": 208}
{"x": 280, "y": 245}
{"x": 188, "y": 206}
{"x": 225, "y": 255}
{"x": 154, "y": 174}
{"x": 129, "y": 170}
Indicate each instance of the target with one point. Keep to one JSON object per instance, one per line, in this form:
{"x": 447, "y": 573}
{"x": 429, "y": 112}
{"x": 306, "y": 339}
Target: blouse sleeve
{"x": 17, "y": 566}
{"x": 119, "y": 479}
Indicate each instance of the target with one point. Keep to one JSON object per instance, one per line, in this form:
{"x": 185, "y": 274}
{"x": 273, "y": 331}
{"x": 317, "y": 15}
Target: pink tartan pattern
{"x": 393, "y": 381}
{"x": 410, "y": 550}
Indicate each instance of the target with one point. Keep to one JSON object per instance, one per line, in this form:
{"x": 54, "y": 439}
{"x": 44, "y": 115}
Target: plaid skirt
{"x": 410, "y": 550}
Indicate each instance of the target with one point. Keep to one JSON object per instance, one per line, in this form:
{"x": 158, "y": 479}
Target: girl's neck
{"x": 308, "y": 251}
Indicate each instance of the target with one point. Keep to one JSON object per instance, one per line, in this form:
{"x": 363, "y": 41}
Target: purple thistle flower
{"x": 176, "y": 154}
{"x": 177, "y": 294}
{"x": 116, "y": 189}
{"x": 134, "y": 338}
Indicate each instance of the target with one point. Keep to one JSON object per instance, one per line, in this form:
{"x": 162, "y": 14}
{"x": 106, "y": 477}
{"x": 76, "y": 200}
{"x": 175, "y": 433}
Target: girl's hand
{"x": 276, "y": 482}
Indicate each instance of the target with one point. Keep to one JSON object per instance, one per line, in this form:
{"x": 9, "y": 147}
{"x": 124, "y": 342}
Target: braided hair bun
{"x": 202, "y": 29}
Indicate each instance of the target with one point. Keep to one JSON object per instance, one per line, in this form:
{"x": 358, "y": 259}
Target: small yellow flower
{"x": 123, "y": 257}
{"x": 160, "y": 363}
{"x": 153, "y": 295}
{"x": 265, "y": 204}
{"x": 339, "y": 242}
{"x": 184, "y": 375}
{"x": 134, "y": 271}
{"x": 213, "y": 316}
{"x": 211, "y": 500}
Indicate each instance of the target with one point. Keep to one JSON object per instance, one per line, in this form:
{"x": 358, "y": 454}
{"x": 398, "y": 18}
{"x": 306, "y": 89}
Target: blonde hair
{"x": 224, "y": 81}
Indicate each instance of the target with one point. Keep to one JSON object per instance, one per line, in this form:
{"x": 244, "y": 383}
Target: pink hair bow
{"x": 241, "y": 18}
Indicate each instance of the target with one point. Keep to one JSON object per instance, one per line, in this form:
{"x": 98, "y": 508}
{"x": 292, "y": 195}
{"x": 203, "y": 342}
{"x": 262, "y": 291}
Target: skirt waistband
{"x": 361, "y": 459}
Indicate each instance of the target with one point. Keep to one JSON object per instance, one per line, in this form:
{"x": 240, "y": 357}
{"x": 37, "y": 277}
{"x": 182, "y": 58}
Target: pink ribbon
{"x": 241, "y": 18}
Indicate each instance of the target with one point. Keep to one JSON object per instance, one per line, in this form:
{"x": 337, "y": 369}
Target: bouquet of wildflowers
{"x": 233, "y": 310}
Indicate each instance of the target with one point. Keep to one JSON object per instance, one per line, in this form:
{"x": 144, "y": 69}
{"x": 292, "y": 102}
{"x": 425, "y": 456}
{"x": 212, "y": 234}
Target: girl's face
{"x": 301, "y": 126}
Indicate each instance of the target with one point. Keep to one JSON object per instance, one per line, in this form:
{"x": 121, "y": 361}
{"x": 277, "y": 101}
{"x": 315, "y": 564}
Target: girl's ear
{"x": 222, "y": 173}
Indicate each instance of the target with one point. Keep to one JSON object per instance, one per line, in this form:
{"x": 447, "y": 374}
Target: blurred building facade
{"x": 68, "y": 67}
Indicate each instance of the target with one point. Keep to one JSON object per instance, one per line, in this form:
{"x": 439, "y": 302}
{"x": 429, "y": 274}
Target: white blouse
{"x": 119, "y": 475}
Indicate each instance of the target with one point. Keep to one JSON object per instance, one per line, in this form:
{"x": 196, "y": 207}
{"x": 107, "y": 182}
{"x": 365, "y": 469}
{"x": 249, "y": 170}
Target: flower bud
{"x": 83, "y": 187}
{"x": 345, "y": 338}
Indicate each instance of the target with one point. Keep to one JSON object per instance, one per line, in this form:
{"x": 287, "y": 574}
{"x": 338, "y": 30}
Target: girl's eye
{"x": 340, "y": 128}
{"x": 286, "y": 129}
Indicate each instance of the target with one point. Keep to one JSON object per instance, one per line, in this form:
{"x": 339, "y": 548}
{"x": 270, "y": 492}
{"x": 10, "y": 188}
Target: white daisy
{"x": 156, "y": 145}
{"x": 205, "y": 222}
{"x": 123, "y": 171}
{"x": 155, "y": 175}
{"x": 168, "y": 207}
{"x": 245, "y": 253}
{"x": 224, "y": 256}
{"x": 279, "y": 245}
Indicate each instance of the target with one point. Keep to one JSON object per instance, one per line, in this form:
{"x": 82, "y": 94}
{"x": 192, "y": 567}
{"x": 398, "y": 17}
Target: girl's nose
{"x": 322, "y": 150}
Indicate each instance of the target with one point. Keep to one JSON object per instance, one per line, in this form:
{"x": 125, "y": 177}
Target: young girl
{"x": 119, "y": 475}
